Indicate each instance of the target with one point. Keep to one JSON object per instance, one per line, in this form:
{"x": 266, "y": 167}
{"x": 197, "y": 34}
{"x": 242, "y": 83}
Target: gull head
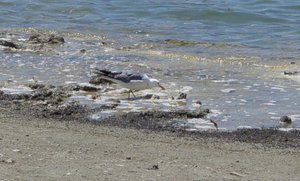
{"x": 155, "y": 83}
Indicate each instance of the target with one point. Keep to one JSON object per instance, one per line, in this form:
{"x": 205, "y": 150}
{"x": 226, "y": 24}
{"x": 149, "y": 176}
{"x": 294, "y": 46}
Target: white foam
{"x": 244, "y": 127}
{"x": 229, "y": 90}
{"x": 269, "y": 104}
{"x": 243, "y": 100}
{"x": 225, "y": 81}
{"x": 278, "y": 88}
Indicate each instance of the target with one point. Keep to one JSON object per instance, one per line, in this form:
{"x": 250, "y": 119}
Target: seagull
{"x": 131, "y": 81}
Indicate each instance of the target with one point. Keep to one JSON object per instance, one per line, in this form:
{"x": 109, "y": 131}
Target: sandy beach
{"x": 45, "y": 149}
{"x": 214, "y": 85}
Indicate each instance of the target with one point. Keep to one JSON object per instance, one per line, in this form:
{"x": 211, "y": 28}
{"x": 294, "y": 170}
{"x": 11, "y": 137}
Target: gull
{"x": 131, "y": 81}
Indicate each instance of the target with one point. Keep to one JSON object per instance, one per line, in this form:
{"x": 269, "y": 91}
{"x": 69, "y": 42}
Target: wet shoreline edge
{"x": 46, "y": 104}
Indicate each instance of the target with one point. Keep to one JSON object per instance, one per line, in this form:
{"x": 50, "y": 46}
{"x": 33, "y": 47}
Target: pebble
{"x": 82, "y": 50}
{"x": 285, "y": 121}
{"x": 154, "y": 167}
{"x": 181, "y": 95}
{"x": 11, "y": 161}
{"x": 16, "y": 150}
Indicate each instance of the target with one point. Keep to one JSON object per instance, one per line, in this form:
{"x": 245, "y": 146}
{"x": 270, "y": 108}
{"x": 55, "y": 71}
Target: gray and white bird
{"x": 129, "y": 80}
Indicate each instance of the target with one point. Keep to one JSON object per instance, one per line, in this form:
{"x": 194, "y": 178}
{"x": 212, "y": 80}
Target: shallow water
{"x": 230, "y": 56}
{"x": 264, "y": 27}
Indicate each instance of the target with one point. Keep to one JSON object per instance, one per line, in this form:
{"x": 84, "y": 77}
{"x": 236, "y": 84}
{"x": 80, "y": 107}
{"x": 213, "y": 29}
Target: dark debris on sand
{"x": 46, "y": 101}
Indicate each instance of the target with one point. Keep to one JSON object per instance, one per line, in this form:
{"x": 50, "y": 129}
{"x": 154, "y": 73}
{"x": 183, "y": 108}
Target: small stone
{"x": 285, "y": 121}
{"x": 10, "y": 161}
{"x": 128, "y": 158}
{"x": 291, "y": 72}
{"x": 148, "y": 96}
{"x": 16, "y": 150}
{"x": 82, "y": 50}
{"x": 89, "y": 89}
{"x": 56, "y": 39}
{"x": 36, "y": 86}
{"x": 155, "y": 97}
{"x": 206, "y": 111}
{"x": 237, "y": 174}
{"x": 155, "y": 167}
{"x": 198, "y": 102}
{"x": 8, "y": 44}
{"x": 181, "y": 95}
{"x": 94, "y": 97}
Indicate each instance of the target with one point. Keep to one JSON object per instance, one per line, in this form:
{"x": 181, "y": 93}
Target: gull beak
{"x": 161, "y": 87}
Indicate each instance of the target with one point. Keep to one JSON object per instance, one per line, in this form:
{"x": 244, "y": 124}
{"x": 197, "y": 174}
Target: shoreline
{"x": 52, "y": 103}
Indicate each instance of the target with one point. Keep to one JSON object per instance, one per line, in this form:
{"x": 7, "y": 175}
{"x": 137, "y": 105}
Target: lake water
{"x": 230, "y": 55}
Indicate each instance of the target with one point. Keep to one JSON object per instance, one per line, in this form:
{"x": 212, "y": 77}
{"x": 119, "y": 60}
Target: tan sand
{"x": 37, "y": 149}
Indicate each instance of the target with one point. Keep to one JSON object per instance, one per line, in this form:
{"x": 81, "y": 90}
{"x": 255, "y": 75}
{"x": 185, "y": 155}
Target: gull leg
{"x": 132, "y": 93}
{"x": 128, "y": 95}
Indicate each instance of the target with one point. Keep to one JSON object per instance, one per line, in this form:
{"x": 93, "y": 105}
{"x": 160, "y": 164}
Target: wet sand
{"x": 45, "y": 149}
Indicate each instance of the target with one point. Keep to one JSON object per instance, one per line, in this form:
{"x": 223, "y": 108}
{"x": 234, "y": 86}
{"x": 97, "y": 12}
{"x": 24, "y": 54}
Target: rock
{"x": 197, "y": 102}
{"x": 41, "y": 38}
{"x": 9, "y": 161}
{"x": 8, "y": 44}
{"x": 151, "y": 96}
{"x": 88, "y": 88}
{"x": 82, "y": 51}
{"x": 85, "y": 87}
{"x": 291, "y": 72}
{"x": 237, "y": 174}
{"x": 36, "y": 86}
{"x": 154, "y": 167}
{"x": 285, "y": 121}
{"x": 155, "y": 97}
{"x": 11, "y": 97}
{"x": 9, "y": 50}
{"x": 181, "y": 95}
{"x": 16, "y": 150}
{"x": 56, "y": 39}
{"x": 179, "y": 43}
{"x": 148, "y": 96}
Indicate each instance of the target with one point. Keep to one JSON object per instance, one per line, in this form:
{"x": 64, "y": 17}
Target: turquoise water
{"x": 264, "y": 26}
{"x": 231, "y": 55}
